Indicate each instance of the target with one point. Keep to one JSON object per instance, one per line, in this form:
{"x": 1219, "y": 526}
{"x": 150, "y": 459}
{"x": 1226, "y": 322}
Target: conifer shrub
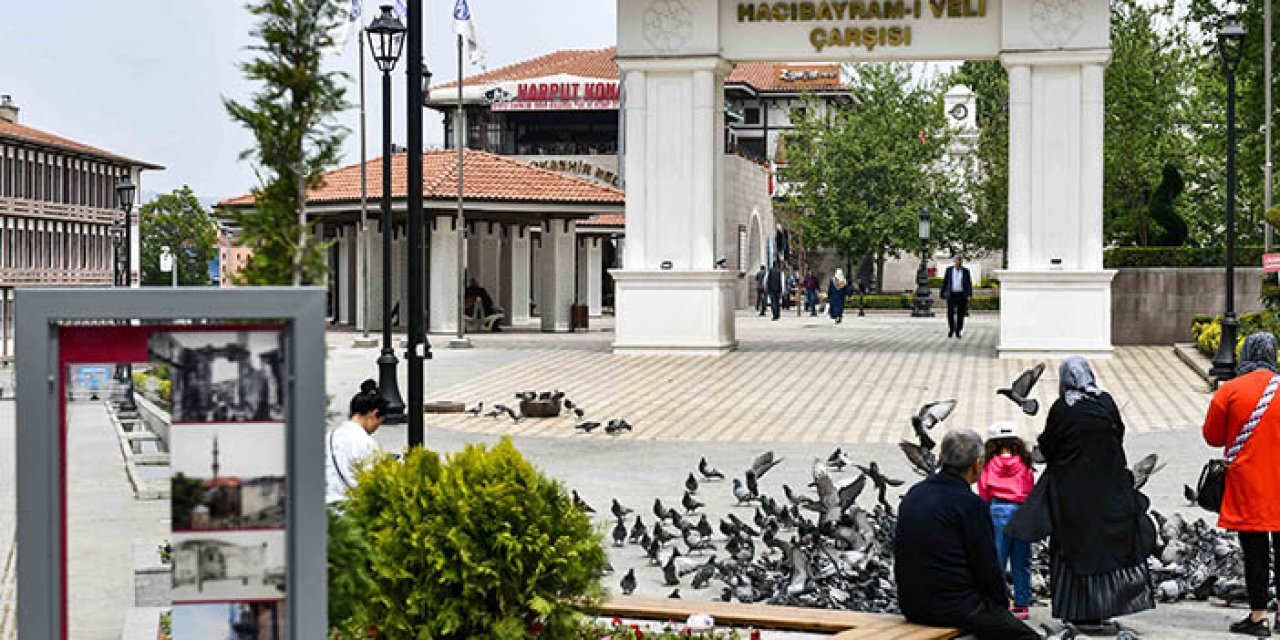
{"x": 479, "y": 544}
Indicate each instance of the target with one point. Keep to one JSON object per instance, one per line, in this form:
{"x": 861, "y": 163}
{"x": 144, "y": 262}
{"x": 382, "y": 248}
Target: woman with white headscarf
{"x": 838, "y": 290}
{"x": 1101, "y": 535}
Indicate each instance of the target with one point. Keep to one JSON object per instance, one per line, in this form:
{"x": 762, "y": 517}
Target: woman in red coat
{"x": 1251, "y": 504}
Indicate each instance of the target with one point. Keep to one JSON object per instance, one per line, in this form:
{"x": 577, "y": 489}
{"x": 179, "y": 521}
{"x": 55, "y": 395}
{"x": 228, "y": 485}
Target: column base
{"x": 675, "y": 312}
{"x": 459, "y": 343}
{"x": 365, "y": 343}
{"x": 1054, "y": 314}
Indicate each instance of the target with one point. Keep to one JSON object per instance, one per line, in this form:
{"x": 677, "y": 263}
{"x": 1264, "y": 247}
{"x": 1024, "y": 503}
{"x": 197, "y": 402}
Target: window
{"x": 751, "y": 115}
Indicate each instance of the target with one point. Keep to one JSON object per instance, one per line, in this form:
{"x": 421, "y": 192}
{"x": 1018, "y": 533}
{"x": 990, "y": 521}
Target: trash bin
{"x": 578, "y": 317}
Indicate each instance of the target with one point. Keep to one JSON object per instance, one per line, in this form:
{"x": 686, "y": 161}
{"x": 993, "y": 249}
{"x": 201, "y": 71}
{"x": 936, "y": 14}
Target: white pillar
{"x": 444, "y": 268}
{"x": 674, "y": 167}
{"x": 556, "y": 278}
{"x": 515, "y": 279}
{"x": 343, "y": 276}
{"x": 489, "y": 259}
{"x": 591, "y": 274}
{"x": 362, "y": 301}
{"x": 1055, "y": 296}
{"x": 535, "y": 267}
{"x": 375, "y": 277}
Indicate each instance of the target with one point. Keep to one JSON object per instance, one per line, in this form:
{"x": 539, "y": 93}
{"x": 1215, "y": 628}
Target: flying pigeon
{"x": 928, "y": 417}
{"x": 763, "y": 463}
{"x": 922, "y": 460}
{"x": 838, "y": 460}
{"x": 1020, "y": 391}
{"x": 708, "y": 472}
{"x": 1144, "y": 469}
{"x": 881, "y": 482}
{"x": 628, "y": 583}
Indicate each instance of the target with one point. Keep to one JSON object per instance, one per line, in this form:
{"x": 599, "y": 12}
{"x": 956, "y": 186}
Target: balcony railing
{"x": 22, "y": 207}
{"x": 29, "y": 277}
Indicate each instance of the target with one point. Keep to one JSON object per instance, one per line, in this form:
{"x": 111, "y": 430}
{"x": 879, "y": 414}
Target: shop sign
{"x": 556, "y": 96}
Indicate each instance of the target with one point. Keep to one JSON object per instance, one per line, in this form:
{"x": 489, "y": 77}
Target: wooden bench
{"x": 843, "y": 625}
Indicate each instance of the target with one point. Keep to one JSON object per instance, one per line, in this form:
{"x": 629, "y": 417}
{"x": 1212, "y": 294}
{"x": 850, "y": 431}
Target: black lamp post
{"x": 386, "y": 38}
{"x": 923, "y": 307}
{"x": 123, "y": 242}
{"x": 1230, "y": 49}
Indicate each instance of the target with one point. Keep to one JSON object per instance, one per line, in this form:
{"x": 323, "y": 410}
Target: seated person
{"x": 474, "y": 290}
{"x": 945, "y": 550}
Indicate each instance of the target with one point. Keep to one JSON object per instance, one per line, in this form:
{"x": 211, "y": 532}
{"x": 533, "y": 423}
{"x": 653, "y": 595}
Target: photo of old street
{"x": 639, "y": 319}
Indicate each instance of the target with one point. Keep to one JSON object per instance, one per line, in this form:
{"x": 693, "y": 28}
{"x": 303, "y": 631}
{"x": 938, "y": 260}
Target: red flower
{"x": 639, "y": 633}
{"x": 755, "y": 635}
{"x": 536, "y": 627}
{"x": 616, "y": 621}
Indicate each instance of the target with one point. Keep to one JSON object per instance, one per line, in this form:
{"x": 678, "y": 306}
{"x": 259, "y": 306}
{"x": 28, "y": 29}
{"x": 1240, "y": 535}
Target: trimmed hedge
{"x": 906, "y": 301}
{"x": 1122, "y": 257}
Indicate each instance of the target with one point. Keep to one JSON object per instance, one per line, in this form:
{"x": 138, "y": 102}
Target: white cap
{"x": 701, "y": 622}
{"x": 1002, "y": 430}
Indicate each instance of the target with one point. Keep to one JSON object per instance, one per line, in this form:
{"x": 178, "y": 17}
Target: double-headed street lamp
{"x": 1230, "y": 49}
{"x": 923, "y": 307}
{"x": 122, "y": 240}
{"x": 386, "y": 39}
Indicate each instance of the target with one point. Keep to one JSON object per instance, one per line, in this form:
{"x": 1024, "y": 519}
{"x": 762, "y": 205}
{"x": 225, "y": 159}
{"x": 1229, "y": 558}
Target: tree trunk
{"x": 880, "y": 270}
{"x": 301, "y": 252}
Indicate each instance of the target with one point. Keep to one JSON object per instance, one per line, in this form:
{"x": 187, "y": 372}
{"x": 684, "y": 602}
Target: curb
{"x": 1187, "y": 353}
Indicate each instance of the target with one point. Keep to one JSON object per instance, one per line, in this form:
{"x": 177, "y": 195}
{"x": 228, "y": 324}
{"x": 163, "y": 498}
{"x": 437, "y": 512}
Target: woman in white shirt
{"x": 352, "y": 442}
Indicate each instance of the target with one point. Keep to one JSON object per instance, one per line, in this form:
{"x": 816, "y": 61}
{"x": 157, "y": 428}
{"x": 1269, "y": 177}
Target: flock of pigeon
{"x": 613, "y": 427}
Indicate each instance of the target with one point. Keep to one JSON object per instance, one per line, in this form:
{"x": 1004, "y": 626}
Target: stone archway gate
{"x": 674, "y": 56}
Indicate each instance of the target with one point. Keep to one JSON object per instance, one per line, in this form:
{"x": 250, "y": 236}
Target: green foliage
{"x": 292, "y": 120}
{"x": 1122, "y": 257}
{"x": 1161, "y": 209}
{"x": 861, "y": 175}
{"x": 616, "y": 629}
{"x": 477, "y": 545}
{"x": 907, "y": 300}
{"x": 987, "y": 178}
{"x": 178, "y": 221}
{"x": 350, "y": 576}
{"x": 186, "y": 494}
{"x": 1207, "y": 331}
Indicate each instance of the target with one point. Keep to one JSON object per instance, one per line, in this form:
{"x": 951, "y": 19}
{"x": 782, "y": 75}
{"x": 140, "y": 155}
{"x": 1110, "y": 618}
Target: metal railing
{"x": 24, "y": 208}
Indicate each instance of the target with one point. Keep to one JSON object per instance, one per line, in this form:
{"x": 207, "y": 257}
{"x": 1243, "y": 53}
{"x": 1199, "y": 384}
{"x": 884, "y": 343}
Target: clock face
{"x": 959, "y": 112}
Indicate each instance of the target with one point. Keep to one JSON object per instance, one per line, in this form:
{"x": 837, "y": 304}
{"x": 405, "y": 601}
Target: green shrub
{"x": 350, "y": 580}
{"x": 1122, "y": 257}
{"x": 907, "y": 301}
{"x": 477, "y": 545}
{"x": 1207, "y": 331}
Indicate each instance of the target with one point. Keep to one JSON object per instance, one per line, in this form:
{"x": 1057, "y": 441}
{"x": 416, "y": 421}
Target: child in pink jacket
{"x": 1004, "y": 484}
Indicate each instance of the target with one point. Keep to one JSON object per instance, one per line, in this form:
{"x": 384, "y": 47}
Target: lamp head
{"x": 925, "y": 217}
{"x": 386, "y": 39}
{"x": 1231, "y": 43}
{"x": 124, "y": 192}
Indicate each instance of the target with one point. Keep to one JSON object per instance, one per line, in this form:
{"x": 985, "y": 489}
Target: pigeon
{"x": 838, "y": 460}
{"x": 638, "y": 531}
{"x": 763, "y": 463}
{"x": 922, "y": 460}
{"x": 475, "y": 411}
{"x": 628, "y": 583}
{"x": 704, "y": 527}
{"x": 1190, "y": 495}
{"x": 661, "y": 536}
{"x": 1068, "y": 632}
{"x": 619, "y": 533}
{"x": 581, "y": 504}
{"x": 691, "y": 483}
{"x": 616, "y": 426}
{"x": 587, "y": 427}
{"x": 690, "y": 504}
{"x": 652, "y": 549}
{"x": 743, "y": 527}
{"x": 708, "y": 472}
{"x": 578, "y": 413}
{"x": 752, "y": 486}
{"x": 659, "y": 511}
{"x": 494, "y": 412}
{"x": 696, "y": 542}
{"x": 1020, "y": 391}
{"x": 741, "y": 493}
{"x": 675, "y": 593}
{"x": 620, "y": 511}
{"x": 702, "y": 577}
{"x": 881, "y": 482}
{"x": 928, "y": 417}
{"x": 568, "y": 404}
{"x": 1037, "y": 456}
{"x": 670, "y": 576}
{"x": 1144, "y": 469}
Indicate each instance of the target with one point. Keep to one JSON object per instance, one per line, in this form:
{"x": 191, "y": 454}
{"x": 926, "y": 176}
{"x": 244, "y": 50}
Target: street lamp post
{"x": 123, "y": 241}
{"x": 386, "y": 38}
{"x": 1230, "y": 49}
{"x": 923, "y": 307}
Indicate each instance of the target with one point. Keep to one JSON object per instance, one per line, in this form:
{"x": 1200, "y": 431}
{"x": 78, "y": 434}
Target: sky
{"x": 146, "y": 78}
{"x": 244, "y": 450}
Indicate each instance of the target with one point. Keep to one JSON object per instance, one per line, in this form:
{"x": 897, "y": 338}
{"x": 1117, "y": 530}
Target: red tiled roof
{"x": 487, "y": 177}
{"x": 600, "y": 64}
{"x": 28, "y": 134}
{"x": 605, "y": 220}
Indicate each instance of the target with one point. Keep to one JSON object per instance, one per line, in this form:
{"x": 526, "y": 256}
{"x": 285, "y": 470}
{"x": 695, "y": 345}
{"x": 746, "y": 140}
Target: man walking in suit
{"x": 957, "y": 288}
{"x": 762, "y": 296}
{"x": 774, "y": 281}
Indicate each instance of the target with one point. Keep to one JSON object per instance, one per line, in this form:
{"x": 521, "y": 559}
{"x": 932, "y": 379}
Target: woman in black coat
{"x": 1101, "y": 534}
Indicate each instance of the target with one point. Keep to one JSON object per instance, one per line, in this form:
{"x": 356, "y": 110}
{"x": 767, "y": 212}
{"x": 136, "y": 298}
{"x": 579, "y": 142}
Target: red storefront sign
{"x": 1271, "y": 262}
{"x": 558, "y": 96}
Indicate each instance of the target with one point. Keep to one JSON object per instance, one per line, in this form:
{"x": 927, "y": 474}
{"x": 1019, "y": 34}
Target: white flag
{"x": 465, "y": 25}
{"x": 342, "y": 31}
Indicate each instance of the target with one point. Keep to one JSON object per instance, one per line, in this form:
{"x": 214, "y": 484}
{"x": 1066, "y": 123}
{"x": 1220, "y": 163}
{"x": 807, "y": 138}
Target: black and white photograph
{"x": 228, "y": 565}
{"x": 230, "y": 621}
{"x": 228, "y": 476}
{"x": 224, "y": 376}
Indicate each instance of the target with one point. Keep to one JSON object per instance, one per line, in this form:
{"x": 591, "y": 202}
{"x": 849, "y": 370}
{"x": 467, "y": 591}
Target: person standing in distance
{"x": 352, "y": 442}
{"x": 762, "y": 299}
{"x": 957, "y": 288}
{"x": 775, "y": 281}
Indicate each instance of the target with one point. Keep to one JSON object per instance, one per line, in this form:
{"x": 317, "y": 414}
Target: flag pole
{"x": 364, "y": 205}
{"x": 460, "y": 222}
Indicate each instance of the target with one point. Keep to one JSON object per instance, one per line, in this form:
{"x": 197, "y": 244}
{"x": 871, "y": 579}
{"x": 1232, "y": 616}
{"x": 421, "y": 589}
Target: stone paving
{"x": 807, "y": 380}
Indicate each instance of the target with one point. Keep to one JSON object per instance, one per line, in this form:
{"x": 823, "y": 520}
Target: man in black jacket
{"x": 774, "y": 281}
{"x": 957, "y": 288}
{"x": 762, "y": 296}
{"x": 945, "y": 551}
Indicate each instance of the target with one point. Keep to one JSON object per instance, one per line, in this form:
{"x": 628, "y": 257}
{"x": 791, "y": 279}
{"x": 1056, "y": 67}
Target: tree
{"x": 178, "y": 221}
{"x": 862, "y": 172}
{"x": 987, "y": 184}
{"x": 292, "y": 119}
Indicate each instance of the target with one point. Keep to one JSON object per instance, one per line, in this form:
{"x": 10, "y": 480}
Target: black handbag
{"x": 1212, "y": 484}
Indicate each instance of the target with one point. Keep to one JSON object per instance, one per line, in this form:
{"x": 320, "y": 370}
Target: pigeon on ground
{"x": 628, "y": 583}
{"x": 475, "y": 411}
{"x": 709, "y": 472}
{"x": 838, "y": 460}
{"x": 763, "y": 463}
{"x": 568, "y": 404}
{"x": 1068, "y": 632}
{"x": 661, "y": 536}
{"x": 922, "y": 460}
{"x": 659, "y": 511}
{"x": 670, "y": 576}
{"x": 1144, "y": 469}
{"x": 616, "y": 426}
{"x": 675, "y": 593}
{"x": 638, "y": 531}
{"x": 1020, "y": 391}
{"x": 619, "y": 511}
{"x": 740, "y": 492}
{"x": 704, "y": 527}
{"x": 691, "y": 483}
{"x": 494, "y": 412}
{"x": 619, "y": 533}
{"x": 579, "y": 413}
{"x": 1190, "y": 495}
{"x": 652, "y": 549}
{"x": 690, "y": 504}
{"x": 581, "y": 504}
{"x": 928, "y": 417}
{"x": 702, "y": 577}
{"x": 587, "y": 427}
{"x": 752, "y": 485}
